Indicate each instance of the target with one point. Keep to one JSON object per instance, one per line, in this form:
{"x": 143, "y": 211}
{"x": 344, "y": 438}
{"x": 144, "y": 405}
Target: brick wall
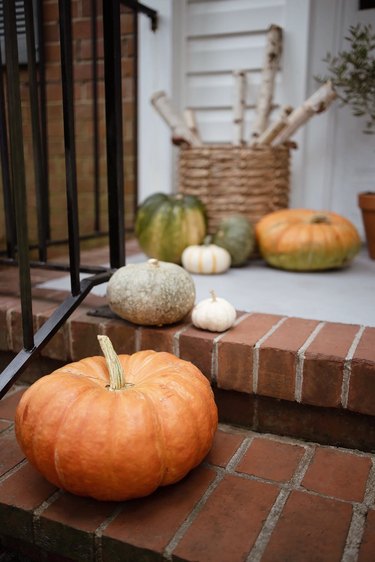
{"x": 83, "y": 96}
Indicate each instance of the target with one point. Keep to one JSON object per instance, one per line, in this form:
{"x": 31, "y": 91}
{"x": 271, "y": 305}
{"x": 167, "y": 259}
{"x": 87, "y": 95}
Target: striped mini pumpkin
{"x": 206, "y": 259}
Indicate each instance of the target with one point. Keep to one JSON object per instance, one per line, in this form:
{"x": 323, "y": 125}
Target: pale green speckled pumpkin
{"x": 151, "y": 293}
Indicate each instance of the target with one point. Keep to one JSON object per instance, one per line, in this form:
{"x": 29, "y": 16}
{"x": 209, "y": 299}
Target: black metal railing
{"x": 15, "y": 196}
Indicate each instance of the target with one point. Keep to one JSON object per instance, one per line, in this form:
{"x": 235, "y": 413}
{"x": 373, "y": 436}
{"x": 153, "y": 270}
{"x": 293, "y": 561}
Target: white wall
{"x": 155, "y": 73}
{"x": 191, "y": 57}
{"x": 340, "y": 159}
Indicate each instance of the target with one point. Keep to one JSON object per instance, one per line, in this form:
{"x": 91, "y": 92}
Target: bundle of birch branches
{"x": 184, "y": 127}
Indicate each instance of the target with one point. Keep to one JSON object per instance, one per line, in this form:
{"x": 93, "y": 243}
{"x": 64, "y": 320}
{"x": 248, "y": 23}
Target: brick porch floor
{"x": 255, "y": 498}
{"x": 259, "y": 496}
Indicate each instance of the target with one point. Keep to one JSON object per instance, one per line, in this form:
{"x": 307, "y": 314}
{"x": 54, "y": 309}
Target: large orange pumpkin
{"x": 93, "y": 434}
{"x": 306, "y": 240}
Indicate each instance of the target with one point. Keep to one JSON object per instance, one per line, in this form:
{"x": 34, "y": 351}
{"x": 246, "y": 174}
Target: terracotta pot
{"x": 366, "y": 202}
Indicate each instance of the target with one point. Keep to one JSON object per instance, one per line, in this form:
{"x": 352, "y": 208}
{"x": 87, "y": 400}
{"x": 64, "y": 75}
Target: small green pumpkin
{"x": 167, "y": 224}
{"x": 236, "y": 234}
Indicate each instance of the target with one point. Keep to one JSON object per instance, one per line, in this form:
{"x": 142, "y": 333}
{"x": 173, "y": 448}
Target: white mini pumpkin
{"x": 214, "y": 314}
{"x": 207, "y": 258}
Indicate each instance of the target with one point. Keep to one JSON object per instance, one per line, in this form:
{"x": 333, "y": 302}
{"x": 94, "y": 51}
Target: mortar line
{"x": 257, "y": 551}
{"x": 99, "y": 532}
{"x": 176, "y": 339}
{"x": 215, "y": 358}
{"x": 13, "y": 470}
{"x": 301, "y": 360}
{"x": 186, "y": 524}
{"x": 256, "y": 351}
{"x": 260, "y": 545}
{"x": 215, "y": 348}
{"x": 46, "y": 503}
{"x": 137, "y": 339}
{"x": 369, "y": 498}
{"x": 40, "y": 509}
{"x": 347, "y": 371}
{"x": 355, "y": 534}
{"x": 220, "y": 473}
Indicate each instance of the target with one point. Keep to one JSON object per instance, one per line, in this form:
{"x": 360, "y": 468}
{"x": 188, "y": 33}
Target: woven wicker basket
{"x": 229, "y": 180}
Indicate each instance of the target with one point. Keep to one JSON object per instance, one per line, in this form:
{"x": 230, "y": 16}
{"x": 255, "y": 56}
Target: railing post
{"x": 69, "y": 140}
{"x": 113, "y": 111}
{"x": 18, "y": 170}
{"x": 39, "y": 167}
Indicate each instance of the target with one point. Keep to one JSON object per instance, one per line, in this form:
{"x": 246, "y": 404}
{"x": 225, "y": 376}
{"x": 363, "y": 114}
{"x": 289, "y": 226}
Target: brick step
{"x": 256, "y": 497}
{"x": 291, "y": 376}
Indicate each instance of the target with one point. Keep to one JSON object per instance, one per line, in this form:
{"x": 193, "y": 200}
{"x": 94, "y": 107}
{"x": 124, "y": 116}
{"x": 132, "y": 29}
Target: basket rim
{"x": 245, "y": 148}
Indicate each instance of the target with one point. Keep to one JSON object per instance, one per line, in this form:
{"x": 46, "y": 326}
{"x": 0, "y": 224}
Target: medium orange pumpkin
{"x": 93, "y": 434}
{"x": 306, "y": 240}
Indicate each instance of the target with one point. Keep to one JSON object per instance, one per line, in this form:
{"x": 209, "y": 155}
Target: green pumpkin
{"x": 167, "y": 224}
{"x": 236, "y": 234}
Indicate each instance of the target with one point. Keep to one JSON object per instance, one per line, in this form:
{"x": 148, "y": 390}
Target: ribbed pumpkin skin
{"x": 207, "y": 258}
{"x": 117, "y": 445}
{"x": 306, "y": 240}
{"x": 236, "y": 235}
{"x": 167, "y": 224}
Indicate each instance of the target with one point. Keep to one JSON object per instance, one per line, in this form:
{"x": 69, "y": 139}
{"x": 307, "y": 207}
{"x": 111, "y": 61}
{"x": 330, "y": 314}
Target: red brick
{"x": 6, "y": 303}
{"x": 338, "y": 474}
{"x": 82, "y": 28}
{"x": 77, "y": 512}
{"x": 310, "y": 528}
{"x": 365, "y": 349}
{"x": 10, "y": 452}
{"x": 362, "y": 378}
{"x": 235, "y": 352}
{"x": 122, "y": 335}
{"x": 229, "y": 522}
{"x": 14, "y": 327}
{"x": 15, "y": 320}
{"x": 83, "y": 331}
{"x": 324, "y": 425}
{"x": 236, "y": 408}
{"x": 271, "y": 459}
{"x": 323, "y": 366}
{"x": 4, "y": 425}
{"x": 151, "y": 522}
{"x": 69, "y": 523}
{"x": 160, "y": 339}
{"x": 25, "y": 489}
{"x": 56, "y": 348}
{"x": 224, "y": 446}
{"x": 367, "y": 548}
{"x": 197, "y": 346}
{"x": 9, "y": 404}
{"x": 20, "y": 494}
{"x": 277, "y": 358}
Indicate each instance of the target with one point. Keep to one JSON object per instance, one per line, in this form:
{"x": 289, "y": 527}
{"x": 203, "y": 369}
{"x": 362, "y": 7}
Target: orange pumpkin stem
{"x": 116, "y": 372}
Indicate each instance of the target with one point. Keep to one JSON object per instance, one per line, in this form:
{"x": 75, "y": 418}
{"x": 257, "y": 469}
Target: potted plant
{"x": 352, "y": 73}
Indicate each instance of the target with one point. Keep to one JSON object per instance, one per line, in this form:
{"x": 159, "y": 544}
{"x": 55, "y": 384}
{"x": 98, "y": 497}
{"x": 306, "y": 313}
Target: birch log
{"x": 267, "y": 85}
{"x": 180, "y": 132}
{"x": 273, "y": 130}
{"x": 191, "y": 123}
{"x": 239, "y": 106}
{"x": 317, "y": 103}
